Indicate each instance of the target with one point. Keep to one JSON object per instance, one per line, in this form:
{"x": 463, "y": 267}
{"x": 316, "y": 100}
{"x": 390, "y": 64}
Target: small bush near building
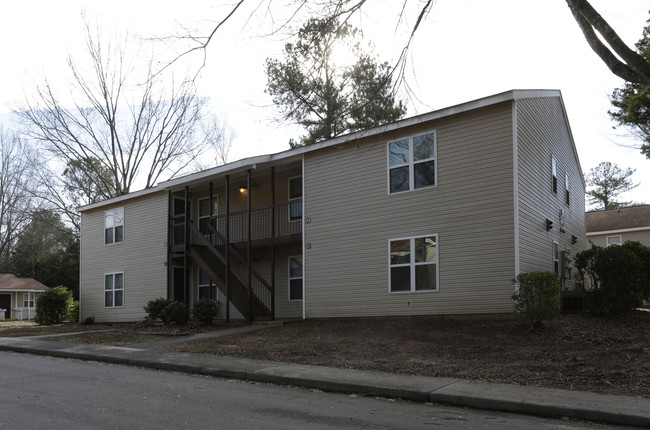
{"x": 53, "y": 306}
{"x": 89, "y": 320}
{"x": 538, "y": 298}
{"x": 616, "y": 279}
{"x": 205, "y": 311}
{"x": 74, "y": 311}
{"x": 167, "y": 310}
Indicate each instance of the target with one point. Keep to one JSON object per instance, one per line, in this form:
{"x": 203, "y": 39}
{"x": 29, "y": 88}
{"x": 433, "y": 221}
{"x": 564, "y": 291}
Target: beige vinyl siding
{"x": 471, "y": 210}
{"x": 542, "y": 134}
{"x": 141, "y": 257}
{"x": 642, "y": 236}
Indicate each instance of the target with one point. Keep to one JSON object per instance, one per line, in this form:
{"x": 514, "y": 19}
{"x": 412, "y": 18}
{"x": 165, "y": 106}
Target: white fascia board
{"x": 621, "y": 230}
{"x": 147, "y": 191}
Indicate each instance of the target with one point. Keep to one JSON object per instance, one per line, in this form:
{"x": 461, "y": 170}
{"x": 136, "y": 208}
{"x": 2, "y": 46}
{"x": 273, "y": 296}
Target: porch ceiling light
{"x": 242, "y": 189}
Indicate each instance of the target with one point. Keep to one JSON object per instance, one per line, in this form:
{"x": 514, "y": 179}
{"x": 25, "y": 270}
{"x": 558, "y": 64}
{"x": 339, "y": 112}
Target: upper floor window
{"x": 412, "y": 163}
{"x": 566, "y": 188}
{"x": 295, "y": 192}
{"x": 114, "y": 226}
{"x": 413, "y": 264}
{"x": 205, "y": 213}
{"x": 554, "y": 172}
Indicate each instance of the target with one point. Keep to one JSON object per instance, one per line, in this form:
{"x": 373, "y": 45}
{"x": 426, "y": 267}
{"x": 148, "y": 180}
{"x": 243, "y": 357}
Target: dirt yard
{"x": 576, "y": 353}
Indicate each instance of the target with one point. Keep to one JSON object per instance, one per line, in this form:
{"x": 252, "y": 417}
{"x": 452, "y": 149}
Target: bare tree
{"x": 138, "y": 125}
{"x": 622, "y": 60}
{"x": 16, "y": 186}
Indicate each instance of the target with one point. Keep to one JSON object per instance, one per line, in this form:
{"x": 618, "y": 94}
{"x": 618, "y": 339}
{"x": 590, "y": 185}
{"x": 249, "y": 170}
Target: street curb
{"x": 544, "y": 402}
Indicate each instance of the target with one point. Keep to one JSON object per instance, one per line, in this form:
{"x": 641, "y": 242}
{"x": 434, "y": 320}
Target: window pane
{"x": 204, "y": 279}
{"x": 295, "y": 267}
{"x": 295, "y": 289}
{"x": 204, "y": 292}
{"x": 109, "y": 219}
{"x": 400, "y": 251}
{"x": 108, "y": 299}
{"x": 425, "y": 277}
{"x": 425, "y": 250}
{"x": 108, "y": 282}
{"x": 424, "y": 147}
{"x": 399, "y": 179}
{"x": 204, "y": 207}
{"x": 400, "y": 278}
{"x": 119, "y": 216}
{"x": 399, "y": 152}
{"x": 295, "y": 211}
{"x": 119, "y": 233}
{"x": 119, "y": 281}
{"x": 119, "y": 298}
{"x": 295, "y": 188}
{"x": 425, "y": 174}
{"x": 108, "y": 235}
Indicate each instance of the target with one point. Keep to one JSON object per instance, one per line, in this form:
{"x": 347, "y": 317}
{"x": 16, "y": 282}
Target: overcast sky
{"x": 466, "y": 49}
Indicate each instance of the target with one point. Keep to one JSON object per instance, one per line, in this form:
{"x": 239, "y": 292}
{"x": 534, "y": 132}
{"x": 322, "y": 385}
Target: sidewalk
{"x": 545, "y": 402}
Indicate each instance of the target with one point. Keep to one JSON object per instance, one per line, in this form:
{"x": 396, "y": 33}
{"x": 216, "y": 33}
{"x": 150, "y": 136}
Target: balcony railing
{"x": 268, "y": 221}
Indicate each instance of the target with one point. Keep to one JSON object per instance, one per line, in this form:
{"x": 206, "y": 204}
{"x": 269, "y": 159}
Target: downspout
{"x": 515, "y": 180}
{"x": 186, "y": 272}
{"x": 304, "y": 256}
{"x": 210, "y": 221}
{"x": 227, "y": 244}
{"x": 170, "y": 226}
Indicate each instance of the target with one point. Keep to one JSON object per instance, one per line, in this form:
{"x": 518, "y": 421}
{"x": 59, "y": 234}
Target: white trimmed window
{"x": 614, "y": 240}
{"x": 295, "y": 278}
{"x": 114, "y": 290}
{"x": 556, "y": 258}
{"x": 205, "y": 285}
{"x": 554, "y": 175}
{"x": 28, "y": 300}
{"x": 566, "y": 188}
{"x": 413, "y": 263}
{"x": 204, "y": 213}
{"x": 412, "y": 163}
{"x": 295, "y": 193}
{"x": 114, "y": 226}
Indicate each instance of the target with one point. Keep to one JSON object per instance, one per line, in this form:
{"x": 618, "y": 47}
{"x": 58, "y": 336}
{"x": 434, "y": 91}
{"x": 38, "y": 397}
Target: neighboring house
{"x": 18, "y": 296}
{"x": 430, "y": 215}
{"x": 617, "y": 226}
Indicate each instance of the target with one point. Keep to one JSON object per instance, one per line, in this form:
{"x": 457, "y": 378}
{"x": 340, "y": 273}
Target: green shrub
{"x": 74, "y": 311}
{"x": 89, "y": 320}
{"x": 205, "y": 310}
{"x": 53, "y": 305}
{"x": 538, "y": 298}
{"x": 616, "y": 279}
{"x": 166, "y": 310}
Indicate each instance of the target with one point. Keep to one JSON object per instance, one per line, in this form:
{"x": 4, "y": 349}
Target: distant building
{"x": 18, "y": 296}
{"x": 617, "y": 226}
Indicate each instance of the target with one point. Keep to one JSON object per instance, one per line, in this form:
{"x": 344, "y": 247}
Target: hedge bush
{"x": 538, "y": 298}
{"x": 167, "y": 310}
{"x": 616, "y": 279}
{"x": 53, "y": 306}
{"x": 205, "y": 311}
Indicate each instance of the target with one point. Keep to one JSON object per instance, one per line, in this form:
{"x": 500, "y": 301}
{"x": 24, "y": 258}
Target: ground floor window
{"x": 28, "y": 300}
{"x": 556, "y": 258}
{"x": 113, "y": 290}
{"x": 614, "y": 240}
{"x": 207, "y": 288}
{"x": 295, "y": 278}
{"x": 413, "y": 263}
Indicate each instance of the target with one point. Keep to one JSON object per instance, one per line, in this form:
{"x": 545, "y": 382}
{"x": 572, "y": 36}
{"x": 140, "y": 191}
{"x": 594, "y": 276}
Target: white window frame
{"x": 567, "y": 195}
{"x": 113, "y": 212}
{"x": 290, "y": 278}
{"x": 290, "y": 199}
{"x": 29, "y": 300}
{"x": 553, "y": 175}
{"x": 620, "y": 240}
{"x": 411, "y": 163}
{"x": 208, "y": 285}
{"x": 113, "y": 289}
{"x": 215, "y": 209}
{"x": 556, "y": 258}
{"x": 413, "y": 264}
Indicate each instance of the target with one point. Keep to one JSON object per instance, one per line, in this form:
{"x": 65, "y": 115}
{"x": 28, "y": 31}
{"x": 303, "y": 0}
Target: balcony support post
{"x": 211, "y": 241}
{"x": 227, "y": 246}
{"x": 248, "y": 246}
{"x": 273, "y": 242}
{"x": 186, "y": 254}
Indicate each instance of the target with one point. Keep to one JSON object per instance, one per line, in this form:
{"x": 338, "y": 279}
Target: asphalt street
{"x": 55, "y": 393}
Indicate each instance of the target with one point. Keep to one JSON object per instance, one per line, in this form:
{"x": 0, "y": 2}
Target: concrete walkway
{"x": 545, "y": 402}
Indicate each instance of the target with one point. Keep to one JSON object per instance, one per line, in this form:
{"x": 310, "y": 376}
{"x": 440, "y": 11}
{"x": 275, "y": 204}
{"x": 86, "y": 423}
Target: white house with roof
{"x": 430, "y": 215}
